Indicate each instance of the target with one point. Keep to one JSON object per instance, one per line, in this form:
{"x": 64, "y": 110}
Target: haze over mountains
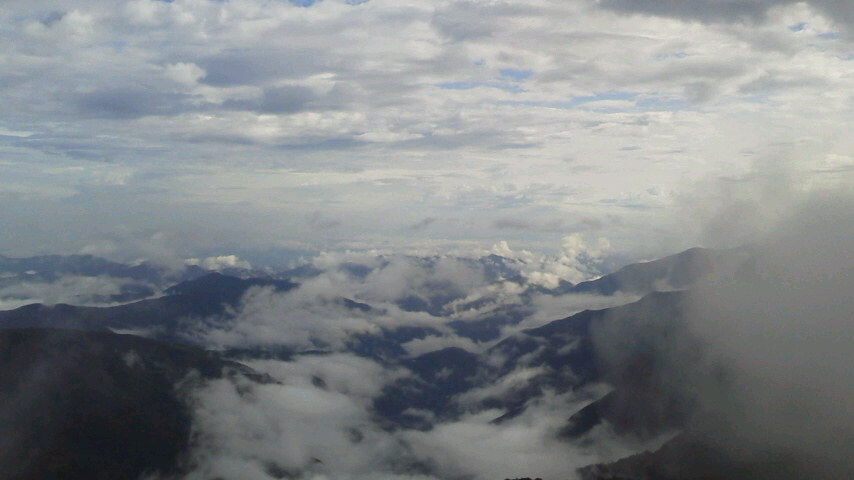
{"x": 724, "y": 363}
{"x": 426, "y": 240}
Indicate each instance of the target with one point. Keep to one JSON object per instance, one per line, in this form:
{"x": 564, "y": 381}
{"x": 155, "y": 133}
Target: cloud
{"x": 253, "y": 67}
{"x": 129, "y": 102}
{"x": 524, "y": 446}
{"x": 760, "y": 360}
{"x": 423, "y": 223}
{"x": 703, "y": 10}
{"x": 337, "y": 437}
{"x": 728, "y": 11}
{"x": 319, "y": 221}
{"x": 228, "y": 105}
{"x": 281, "y": 100}
{"x": 195, "y": 126}
{"x": 734, "y": 210}
{"x": 468, "y": 301}
{"x": 312, "y": 425}
{"x": 219, "y": 262}
{"x": 71, "y": 289}
{"x": 785, "y": 336}
{"x": 317, "y": 424}
{"x": 432, "y": 343}
{"x": 401, "y": 291}
{"x": 512, "y": 224}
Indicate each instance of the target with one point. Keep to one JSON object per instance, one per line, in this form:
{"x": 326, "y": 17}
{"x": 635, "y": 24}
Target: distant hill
{"x": 669, "y": 273}
{"x": 202, "y": 297}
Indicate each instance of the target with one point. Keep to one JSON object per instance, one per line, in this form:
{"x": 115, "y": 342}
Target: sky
{"x": 196, "y": 127}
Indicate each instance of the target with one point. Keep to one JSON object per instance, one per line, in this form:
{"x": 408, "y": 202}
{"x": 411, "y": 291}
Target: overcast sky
{"x": 198, "y": 125}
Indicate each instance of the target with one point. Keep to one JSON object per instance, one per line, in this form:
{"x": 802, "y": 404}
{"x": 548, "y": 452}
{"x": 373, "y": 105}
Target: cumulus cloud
{"x": 201, "y": 99}
{"x": 576, "y": 262}
{"x": 219, "y": 262}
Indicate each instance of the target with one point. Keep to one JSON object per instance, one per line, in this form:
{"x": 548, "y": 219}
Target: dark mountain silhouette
{"x": 691, "y": 456}
{"x": 566, "y": 355}
{"x": 438, "y": 376}
{"x": 134, "y": 282}
{"x": 97, "y": 405}
{"x": 210, "y": 295}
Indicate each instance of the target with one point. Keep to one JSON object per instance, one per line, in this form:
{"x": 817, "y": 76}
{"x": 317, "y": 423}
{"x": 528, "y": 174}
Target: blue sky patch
{"x": 668, "y": 55}
{"x": 829, "y": 35}
{"x": 589, "y": 102}
{"x": 470, "y": 85}
{"x": 578, "y": 101}
{"x": 515, "y": 74}
{"x": 664, "y": 104}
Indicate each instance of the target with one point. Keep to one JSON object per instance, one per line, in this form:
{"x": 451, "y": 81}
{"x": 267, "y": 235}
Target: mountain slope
{"x": 96, "y": 405}
{"x": 669, "y": 273}
{"x": 205, "y": 296}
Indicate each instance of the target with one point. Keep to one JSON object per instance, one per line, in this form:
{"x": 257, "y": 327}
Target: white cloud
{"x": 432, "y": 343}
{"x": 219, "y": 262}
{"x": 71, "y": 289}
{"x": 323, "y": 430}
{"x": 261, "y": 431}
{"x": 476, "y": 114}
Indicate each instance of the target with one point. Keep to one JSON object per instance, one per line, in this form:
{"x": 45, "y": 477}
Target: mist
{"x": 785, "y": 336}
{"x": 759, "y": 363}
{"x": 756, "y": 360}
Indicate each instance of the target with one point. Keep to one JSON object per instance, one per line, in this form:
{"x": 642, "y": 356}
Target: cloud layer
{"x": 334, "y": 123}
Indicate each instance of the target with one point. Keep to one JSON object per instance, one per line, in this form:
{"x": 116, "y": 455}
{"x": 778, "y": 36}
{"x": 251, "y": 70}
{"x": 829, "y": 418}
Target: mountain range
{"x": 97, "y": 396}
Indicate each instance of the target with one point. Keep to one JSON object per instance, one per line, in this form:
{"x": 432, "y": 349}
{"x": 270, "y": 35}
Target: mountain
{"x": 438, "y": 377}
{"x": 634, "y": 349}
{"x": 91, "y": 280}
{"x": 561, "y": 353}
{"x": 564, "y": 356}
{"x": 669, "y": 273}
{"x": 162, "y": 317}
{"x": 51, "y": 267}
{"x": 691, "y": 456}
{"x": 97, "y": 405}
{"x": 83, "y": 279}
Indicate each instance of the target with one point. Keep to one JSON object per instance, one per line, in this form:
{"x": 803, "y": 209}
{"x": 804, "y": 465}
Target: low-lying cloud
{"x": 761, "y": 360}
{"x": 74, "y": 290}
